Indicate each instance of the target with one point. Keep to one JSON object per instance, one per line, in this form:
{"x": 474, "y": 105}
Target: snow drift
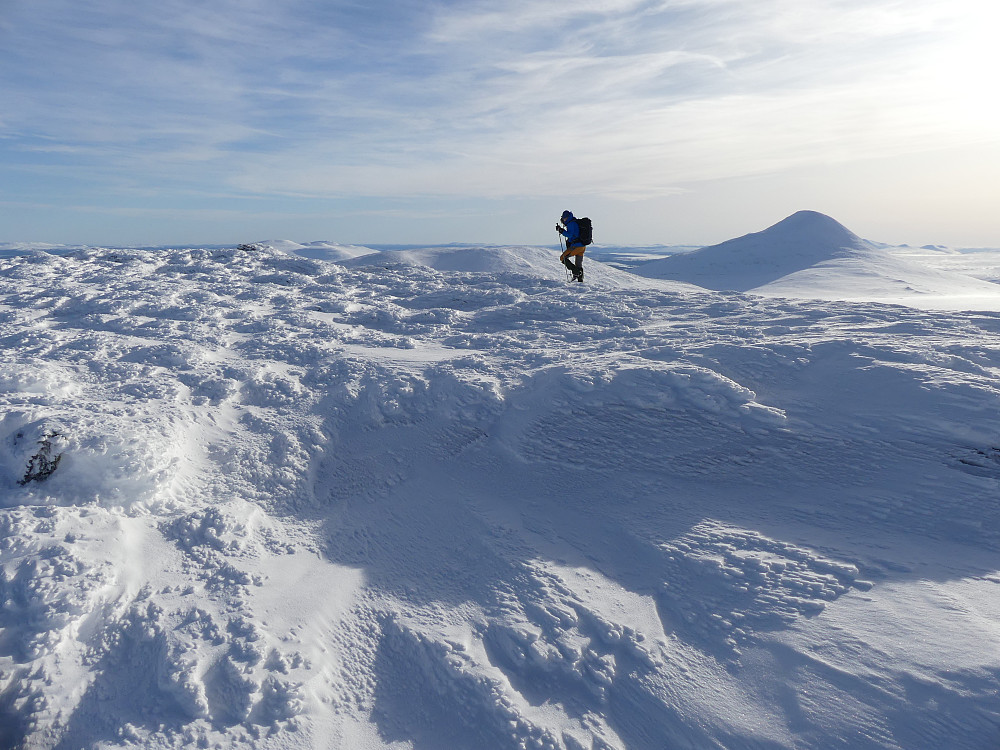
{"x": 385, "y": 505}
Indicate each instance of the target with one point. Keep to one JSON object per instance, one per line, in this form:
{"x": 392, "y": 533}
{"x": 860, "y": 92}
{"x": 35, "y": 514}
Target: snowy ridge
{"x": 329, "y": 251}
{"x": 385, "y": 504}
{"x": 13, "y": 249}
{"x": 537, "y": 262}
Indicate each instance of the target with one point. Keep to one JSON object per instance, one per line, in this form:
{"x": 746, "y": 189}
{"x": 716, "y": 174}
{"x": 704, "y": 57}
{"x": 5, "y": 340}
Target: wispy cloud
{"x": 623, "y": 97}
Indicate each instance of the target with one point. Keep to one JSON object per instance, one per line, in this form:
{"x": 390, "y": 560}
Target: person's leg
{"x": 567, "y": 259}
{"x": 572, "y": 258}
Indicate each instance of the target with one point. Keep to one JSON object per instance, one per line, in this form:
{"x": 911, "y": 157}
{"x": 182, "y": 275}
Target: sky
{"x": 433, "y": 121}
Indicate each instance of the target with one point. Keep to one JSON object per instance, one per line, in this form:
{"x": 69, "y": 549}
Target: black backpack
{"x": 586, "y": 230}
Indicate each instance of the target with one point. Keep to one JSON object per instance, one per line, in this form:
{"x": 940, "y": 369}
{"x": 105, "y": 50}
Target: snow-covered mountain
{"x": 812, "y": 255}
{"x": 445, "y": 500}
{"x": 803, "y": 240}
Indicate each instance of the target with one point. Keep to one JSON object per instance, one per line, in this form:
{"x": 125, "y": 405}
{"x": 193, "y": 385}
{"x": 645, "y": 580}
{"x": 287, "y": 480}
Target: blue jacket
{"x": 571, "y": 232}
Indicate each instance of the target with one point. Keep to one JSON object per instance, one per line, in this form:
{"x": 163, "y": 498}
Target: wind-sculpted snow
{"x": 393, "y": 504}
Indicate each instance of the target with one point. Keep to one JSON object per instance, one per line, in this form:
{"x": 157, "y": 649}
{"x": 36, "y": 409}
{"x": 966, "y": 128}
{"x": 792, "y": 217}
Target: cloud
{"x": 460, "y": 23}
{"x": 620, "y": 97}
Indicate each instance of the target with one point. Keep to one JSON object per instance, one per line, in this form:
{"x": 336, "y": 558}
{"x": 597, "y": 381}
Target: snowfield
{"x": 322, "y": 496}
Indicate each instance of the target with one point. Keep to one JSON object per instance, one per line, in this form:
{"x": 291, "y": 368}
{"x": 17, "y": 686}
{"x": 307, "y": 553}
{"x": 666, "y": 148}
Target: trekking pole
{"x": 562, "y": 249}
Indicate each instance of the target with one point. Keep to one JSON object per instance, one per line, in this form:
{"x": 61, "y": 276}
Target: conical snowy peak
{"x": 800, "y": 241}
{"x": 811, "y": 227}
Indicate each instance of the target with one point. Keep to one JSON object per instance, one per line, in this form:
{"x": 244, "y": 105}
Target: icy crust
{"x": 299, "y": 504}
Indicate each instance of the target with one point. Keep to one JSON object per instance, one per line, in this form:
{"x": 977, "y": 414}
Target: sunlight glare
{"x": 965, "y": 71}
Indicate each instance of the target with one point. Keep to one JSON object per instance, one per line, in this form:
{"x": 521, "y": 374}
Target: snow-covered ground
{"x": 441, "y": 499}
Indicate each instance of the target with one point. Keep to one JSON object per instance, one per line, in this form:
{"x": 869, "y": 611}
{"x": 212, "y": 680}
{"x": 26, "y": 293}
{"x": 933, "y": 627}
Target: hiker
{"x": 576, "y": 242}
